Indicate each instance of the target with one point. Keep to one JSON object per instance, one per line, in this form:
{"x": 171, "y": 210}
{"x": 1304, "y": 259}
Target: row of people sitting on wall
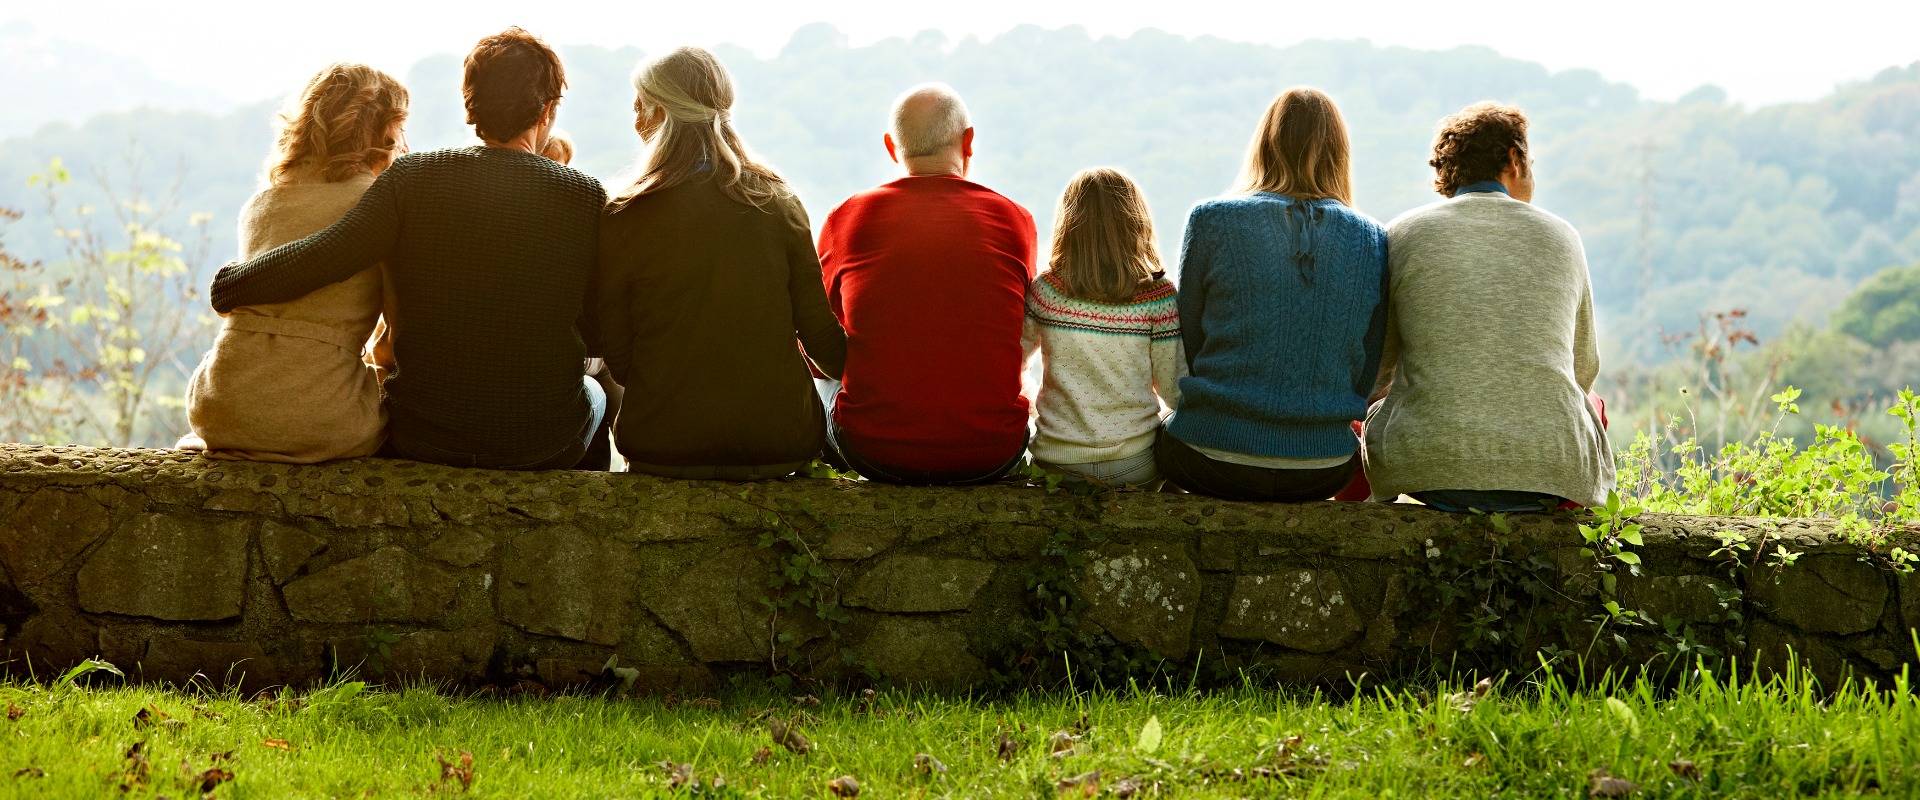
{"x": 1461, "y": 334}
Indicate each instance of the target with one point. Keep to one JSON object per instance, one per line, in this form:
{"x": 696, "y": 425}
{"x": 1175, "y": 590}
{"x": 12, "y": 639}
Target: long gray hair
{"x": 695, "y": 93}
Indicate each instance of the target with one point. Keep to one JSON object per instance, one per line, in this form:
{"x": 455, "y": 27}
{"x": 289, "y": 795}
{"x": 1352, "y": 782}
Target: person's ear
{"x": 892, "y": 152}
{"x": 966, "y": 143}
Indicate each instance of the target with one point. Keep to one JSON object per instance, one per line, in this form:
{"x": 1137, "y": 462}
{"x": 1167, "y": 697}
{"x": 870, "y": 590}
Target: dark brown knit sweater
{"x": 490, "y": 252}
{"x": 701, "y": 301}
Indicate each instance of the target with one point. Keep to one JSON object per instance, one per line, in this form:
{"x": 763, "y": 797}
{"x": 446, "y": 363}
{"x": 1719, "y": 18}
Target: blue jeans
{"x": 1459, "y": 501}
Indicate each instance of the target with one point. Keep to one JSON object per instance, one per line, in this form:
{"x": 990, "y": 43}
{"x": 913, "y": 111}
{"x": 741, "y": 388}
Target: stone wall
{"x": 170, "y": 565}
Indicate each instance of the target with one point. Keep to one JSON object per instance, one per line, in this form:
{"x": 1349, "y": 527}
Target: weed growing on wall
{"x": 1836, "y": 477}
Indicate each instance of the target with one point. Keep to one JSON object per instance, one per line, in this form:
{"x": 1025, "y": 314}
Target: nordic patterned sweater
{"x": 1107, "y": 368}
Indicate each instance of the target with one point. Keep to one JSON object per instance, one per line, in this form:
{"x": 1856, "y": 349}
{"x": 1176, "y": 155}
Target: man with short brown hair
{"x": 1490, "y": 345}
{"x": 488, "y": 251}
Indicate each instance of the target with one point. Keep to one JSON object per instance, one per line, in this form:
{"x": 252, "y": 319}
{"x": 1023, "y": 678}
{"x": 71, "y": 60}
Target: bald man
{"x": 928, "y": 274}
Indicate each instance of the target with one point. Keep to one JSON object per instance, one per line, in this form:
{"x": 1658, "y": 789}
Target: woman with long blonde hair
{"x": 1283, "y": 313}
{"x": 1107, "y": 324}
{"x": 285, "y": 381}
{"x": 708, "y": 277}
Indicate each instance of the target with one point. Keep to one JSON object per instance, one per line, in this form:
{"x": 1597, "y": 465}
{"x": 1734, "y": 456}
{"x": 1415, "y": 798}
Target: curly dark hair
{"x": 1472, "y": 146}
{"x": 511, "y": 76}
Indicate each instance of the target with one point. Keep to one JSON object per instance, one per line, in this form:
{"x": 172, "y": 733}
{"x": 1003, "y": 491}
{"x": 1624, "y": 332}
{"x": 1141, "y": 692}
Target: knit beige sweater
{"x": 1490, "y": 345}
{"x": 285, "y": 382}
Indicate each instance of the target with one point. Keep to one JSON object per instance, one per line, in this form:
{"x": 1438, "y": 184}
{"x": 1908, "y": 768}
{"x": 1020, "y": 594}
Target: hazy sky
{"x": 1760, "y": 51}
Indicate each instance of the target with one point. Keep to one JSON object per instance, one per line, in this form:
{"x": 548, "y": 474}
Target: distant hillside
{"x": 51, "y": 79}
{"x": 1782, "y": 209}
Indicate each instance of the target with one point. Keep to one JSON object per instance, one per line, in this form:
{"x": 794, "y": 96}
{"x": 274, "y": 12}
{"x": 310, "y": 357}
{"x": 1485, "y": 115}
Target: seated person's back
{"x": 929, "y": 275}
{"x": 488, "y": 251}
{"x": 1491, "y": 343}
{"x": 490, "y": 289}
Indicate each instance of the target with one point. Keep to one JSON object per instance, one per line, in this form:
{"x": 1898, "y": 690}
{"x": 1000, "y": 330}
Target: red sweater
{"x": 929, "y": 277}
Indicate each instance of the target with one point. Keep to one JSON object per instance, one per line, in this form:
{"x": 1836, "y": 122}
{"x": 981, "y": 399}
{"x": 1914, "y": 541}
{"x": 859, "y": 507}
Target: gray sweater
{"x": 1490, "y": 354}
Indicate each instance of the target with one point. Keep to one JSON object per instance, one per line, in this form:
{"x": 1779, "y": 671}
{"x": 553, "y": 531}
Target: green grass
{"x": 1528, "y": 738}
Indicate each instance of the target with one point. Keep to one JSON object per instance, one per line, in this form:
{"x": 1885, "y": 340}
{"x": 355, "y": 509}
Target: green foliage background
{"x": 1781, "y": 209}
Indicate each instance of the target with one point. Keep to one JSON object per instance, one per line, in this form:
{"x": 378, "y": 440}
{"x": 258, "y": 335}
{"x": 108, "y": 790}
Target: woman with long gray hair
{"x": 707, "y": 277}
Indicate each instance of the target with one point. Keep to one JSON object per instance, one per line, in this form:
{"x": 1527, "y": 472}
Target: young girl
{"x": 1107, "y": 320}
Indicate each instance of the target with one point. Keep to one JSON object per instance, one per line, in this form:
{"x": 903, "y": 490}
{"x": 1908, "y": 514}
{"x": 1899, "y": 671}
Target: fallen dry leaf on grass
{"x": 1125, "y": 788}
{"x": 277, "y": 743}
{"x": 29, "y": 772}
{"x": 1087, "y": 784}
{"x": 1008, "y": 748}
{"x": 678, "y": 775}
{"x": 844, "y": 786}
{"x": 1605, "y": 785}
{"x": 136, "y": 773}
{"x": 787, "y": 735}
{"x": 1474, "y": 760}
{"x": 1465, "y": 701}
{"x": 14, "y": 712}
{"x": 1060, "y": 744}
{"x": 926, "y": 764}
{"x": 219, "y": 757}
{"x": 807, "y": 700}
{"x": 761, "y": 755}
{"x": 150, "y": 716}
{"x": 462, "y": 773}
{"x": 866, "y": 703}
{"x": 1685, "y": 769}
{"x": 214, "y": 776}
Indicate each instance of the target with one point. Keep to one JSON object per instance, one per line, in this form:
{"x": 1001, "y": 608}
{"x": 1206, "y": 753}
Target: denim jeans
{"x": 592, "y": 450}
{"x": 1460, "y": 501}
{"x": 1138, "y": 469}
{"x": 1193, "y": 471}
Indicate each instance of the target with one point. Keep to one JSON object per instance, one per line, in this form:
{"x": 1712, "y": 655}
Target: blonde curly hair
{"x": 339, "y": 125}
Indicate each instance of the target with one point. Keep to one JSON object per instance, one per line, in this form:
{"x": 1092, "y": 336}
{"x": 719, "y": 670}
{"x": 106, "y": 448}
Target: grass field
{"x": 1522, "y": 738}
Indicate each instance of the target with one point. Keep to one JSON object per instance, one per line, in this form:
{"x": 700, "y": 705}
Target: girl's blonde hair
{"x": 339, "y": 126}
{"x": 1301, "y": 149}
{"x": 696, "y": 95}
{"x": 1103, "y": 247}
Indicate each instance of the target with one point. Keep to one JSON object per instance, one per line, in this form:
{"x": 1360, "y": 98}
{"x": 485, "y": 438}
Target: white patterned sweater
{"x": 1108, "y": 368}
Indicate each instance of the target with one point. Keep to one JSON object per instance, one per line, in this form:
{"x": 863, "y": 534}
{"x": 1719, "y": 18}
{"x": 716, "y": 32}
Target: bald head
{"x": 929, "y": 120}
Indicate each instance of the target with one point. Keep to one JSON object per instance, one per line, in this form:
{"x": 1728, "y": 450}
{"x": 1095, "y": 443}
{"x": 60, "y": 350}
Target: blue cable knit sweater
{"x": 1283, "y": 312}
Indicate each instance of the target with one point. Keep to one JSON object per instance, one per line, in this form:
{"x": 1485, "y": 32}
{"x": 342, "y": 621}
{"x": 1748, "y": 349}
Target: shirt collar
{"x": 1481, "y": 186}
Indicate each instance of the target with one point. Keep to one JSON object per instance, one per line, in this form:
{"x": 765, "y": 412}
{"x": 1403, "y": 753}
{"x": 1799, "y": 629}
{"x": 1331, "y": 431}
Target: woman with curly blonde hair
{"x": 286, "y": 381}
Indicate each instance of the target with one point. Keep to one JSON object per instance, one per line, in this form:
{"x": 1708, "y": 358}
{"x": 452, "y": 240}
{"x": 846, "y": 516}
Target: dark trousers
{"x": 593, "y": 450}
{"x": 1193, "y": 471}
{"x": 842, "y": 456}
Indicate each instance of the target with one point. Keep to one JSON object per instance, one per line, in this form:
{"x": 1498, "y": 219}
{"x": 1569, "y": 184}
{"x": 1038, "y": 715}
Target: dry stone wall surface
{"x": 171, "y": 565}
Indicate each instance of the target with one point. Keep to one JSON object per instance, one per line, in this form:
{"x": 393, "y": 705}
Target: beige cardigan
{"x": 285, "y": 382}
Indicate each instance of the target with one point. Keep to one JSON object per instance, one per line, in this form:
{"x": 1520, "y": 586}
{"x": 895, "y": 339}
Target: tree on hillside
{"x": 1885, "y": 310}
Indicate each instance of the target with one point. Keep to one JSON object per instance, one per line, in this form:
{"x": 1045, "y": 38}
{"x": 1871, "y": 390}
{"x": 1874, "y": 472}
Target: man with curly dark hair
{"x": 488, "y": 251}
{"x": 1490, "y": 356}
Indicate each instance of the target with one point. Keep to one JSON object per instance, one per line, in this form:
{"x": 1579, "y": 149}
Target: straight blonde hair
{"x": 695, "y": 93}
{"x": 1301, "y": 149}
{"x": 1103, "y": 248}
